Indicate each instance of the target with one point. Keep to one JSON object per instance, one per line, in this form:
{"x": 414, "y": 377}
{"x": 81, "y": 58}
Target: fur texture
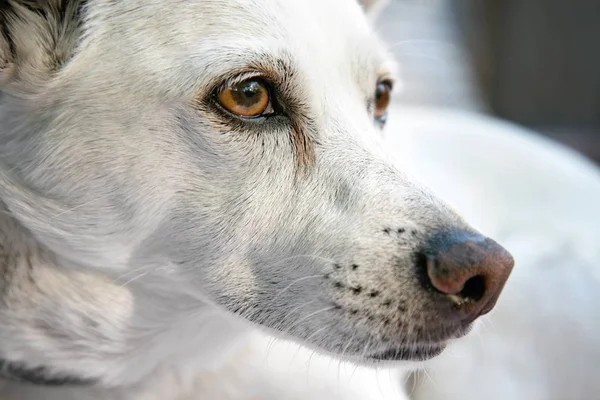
{"x": 143, "y": 227}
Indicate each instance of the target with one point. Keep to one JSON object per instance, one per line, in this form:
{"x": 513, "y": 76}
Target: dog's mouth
{"x": 408, "y": 353}
{"x": 417, "y": 352}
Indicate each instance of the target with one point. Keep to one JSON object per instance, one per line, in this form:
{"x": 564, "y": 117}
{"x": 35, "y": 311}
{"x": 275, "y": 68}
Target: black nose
{"x": 468, "y": 268}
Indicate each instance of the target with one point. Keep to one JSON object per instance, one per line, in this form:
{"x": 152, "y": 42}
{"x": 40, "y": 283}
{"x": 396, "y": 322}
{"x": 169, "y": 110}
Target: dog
{"x": 175, "y": 175}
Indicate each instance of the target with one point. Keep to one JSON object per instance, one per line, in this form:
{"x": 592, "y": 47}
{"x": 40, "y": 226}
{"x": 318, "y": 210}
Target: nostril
{"x": 474, "y": 289}
{"x": 422, "y": 271}
{"x": 469, "y": 269}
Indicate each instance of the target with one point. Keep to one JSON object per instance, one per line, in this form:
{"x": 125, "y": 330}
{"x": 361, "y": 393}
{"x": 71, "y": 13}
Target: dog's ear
{"x": 372, "y": 7}
{"x": 37, "y": 37}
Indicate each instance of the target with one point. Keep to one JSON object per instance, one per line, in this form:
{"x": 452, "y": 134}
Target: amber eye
{"x": 382, "y": 99}
{"x": 249, "y": 98}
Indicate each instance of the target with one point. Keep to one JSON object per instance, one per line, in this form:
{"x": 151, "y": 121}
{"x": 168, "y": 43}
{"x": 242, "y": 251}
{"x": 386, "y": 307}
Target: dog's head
{"x": 229, "y": 153}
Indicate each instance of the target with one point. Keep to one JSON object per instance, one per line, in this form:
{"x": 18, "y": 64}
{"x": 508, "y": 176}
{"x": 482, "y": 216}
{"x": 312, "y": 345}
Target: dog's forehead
{"x": 326, "y": 37}
{"x": 315, "y": 33}
{"x": 292, "y": 20}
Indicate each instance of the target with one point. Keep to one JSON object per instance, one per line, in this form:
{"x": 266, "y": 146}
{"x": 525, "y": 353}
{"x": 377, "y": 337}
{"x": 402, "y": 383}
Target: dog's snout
{"x": 469, "y": 269}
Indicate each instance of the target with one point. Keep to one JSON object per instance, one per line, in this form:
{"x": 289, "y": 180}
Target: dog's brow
{"x": 373, "y": 64}
{"x": 388, "y": 70}
{"x": 279, "y": 68}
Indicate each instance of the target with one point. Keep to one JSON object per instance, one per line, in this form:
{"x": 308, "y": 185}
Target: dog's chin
{"x": 395, "y": 354}
{"x": 406, "y": 353}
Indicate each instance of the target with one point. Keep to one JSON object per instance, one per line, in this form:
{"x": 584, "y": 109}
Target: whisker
{"x": 75, "y": 208}
{"x": 292, "y": 284}
{"x": 135, "y": 278}
{"x": 133, "y": 271}
{"x": 311, "y": 315}
{"x": 311, "y": 256}
{"x": 342, "y": 357}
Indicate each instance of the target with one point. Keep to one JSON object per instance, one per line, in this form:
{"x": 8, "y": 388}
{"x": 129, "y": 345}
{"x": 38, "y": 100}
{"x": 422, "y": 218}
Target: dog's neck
{"x": 66, "y": 325}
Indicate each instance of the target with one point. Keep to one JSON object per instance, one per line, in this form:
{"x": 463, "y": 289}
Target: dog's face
{"x": 231, "y": 150}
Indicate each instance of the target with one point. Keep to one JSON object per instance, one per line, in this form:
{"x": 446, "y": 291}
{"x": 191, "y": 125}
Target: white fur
{"x": 268, "y": 369}
{"x": 134, "y": 221}
{"x": 540, "y": 342}
{"x": 145, "y": 233}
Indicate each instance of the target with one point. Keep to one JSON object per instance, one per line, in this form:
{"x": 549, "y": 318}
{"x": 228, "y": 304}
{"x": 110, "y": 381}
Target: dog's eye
{"x": 248, "y": 99}
{"x": 382, "y": 100}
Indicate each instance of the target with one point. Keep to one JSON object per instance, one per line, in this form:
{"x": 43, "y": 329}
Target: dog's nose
{"x": 470, "y": 269}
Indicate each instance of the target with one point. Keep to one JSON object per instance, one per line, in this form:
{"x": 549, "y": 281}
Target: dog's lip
{"x": 419, "y": 352}
{"x": 409, "y": 353}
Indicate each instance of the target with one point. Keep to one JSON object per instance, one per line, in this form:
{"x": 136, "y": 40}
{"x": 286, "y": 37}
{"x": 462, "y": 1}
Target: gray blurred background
{"x": 534, "y": 62}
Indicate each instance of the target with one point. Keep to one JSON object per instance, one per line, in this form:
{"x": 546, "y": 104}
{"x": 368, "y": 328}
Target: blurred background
{"x": 533, "y": 62}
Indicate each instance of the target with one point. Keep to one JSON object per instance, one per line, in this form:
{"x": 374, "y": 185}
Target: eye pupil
{"x": 379, "y": 91}
{"x": 249, "y": 98}
{"x": 246, "y": 93}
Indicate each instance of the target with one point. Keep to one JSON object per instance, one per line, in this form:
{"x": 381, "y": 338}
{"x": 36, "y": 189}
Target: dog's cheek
{"x": 235, "y": 280}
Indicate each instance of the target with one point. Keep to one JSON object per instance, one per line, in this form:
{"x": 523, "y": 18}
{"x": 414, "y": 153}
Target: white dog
{"x": 177, "y": 174}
